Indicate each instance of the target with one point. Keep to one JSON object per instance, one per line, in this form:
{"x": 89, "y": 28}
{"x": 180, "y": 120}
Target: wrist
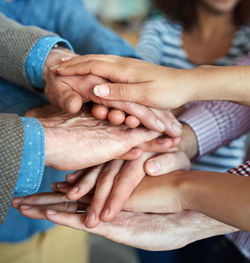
{"x": 189, "y": 142}
{"x": 50, "y": 143}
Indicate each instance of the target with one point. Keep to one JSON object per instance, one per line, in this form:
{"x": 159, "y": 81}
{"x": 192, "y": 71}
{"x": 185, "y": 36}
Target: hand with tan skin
{"x": 70, "y": 93}
{"x": 114, "y": 182}
{"x": 161, "y": 87}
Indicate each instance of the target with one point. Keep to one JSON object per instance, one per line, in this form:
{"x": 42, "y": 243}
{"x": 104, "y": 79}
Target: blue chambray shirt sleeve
{"x": 37, "y": 57}
{"x": 32, "y": 164}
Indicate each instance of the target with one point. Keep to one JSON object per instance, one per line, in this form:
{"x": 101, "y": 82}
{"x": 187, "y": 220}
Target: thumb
{"x": 69, "y": 100}
{"x": 167, "y": 163}
{"x": 124, "y": 92}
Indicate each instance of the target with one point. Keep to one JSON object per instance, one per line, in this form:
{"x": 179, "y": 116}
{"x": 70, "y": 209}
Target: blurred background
{"x": 124, "y": 16}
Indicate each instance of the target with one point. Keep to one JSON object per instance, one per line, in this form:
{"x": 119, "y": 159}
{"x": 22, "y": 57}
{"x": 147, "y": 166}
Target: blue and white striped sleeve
{"x": 150, "y": 43}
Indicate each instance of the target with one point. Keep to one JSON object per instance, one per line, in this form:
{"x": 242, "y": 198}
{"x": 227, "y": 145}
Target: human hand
{"x": 134, "y": 80}
{"x": 113, "y": 185}
{"x": 69, "y": 93}
{"x": 74, "y": 142}
{"x": 118, "y": 117}
{"x": 168, "y": 231}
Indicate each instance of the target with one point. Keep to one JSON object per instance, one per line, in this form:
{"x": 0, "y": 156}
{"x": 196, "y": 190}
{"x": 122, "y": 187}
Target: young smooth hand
{"x": 133, "y": 80}
{"x": 70, "y": 92}
{"x": 108, "y": 188}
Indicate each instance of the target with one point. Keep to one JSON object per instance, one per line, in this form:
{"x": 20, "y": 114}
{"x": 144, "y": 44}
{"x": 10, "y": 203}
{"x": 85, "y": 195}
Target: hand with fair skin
{"x": 78, "y": 141}
{"x": 113, "y": 183}
{"x": 157, "y": 86}
{"x": 168, "y": 231}
{"x": 70, "y": 93}
{"x": 224, "y": 197}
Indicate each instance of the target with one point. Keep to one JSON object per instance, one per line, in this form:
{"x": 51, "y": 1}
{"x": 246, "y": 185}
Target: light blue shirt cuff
{"x": 32, "y": 164}
{"x": 37, "y": 57}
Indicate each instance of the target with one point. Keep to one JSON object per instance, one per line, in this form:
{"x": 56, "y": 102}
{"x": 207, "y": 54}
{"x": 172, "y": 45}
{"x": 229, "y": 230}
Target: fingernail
{"x": 51, "y": 212}
{"x": 17, "y": 201}
{"x": 60, "y": 185}
{"x": 101, "y": 90}
{"x": 161, "y": 125}
{"x": 66, "y": 59}
{"x": 26, "y": 207}
{"x": 135, "y": 150}
{"x": 54, "y": 67}
{"x": 106, "y": 213}
{"x": 177, "y": 127}
{"x": 53, "y": 185}
{"x": 91, "y": 217}
{"x": 74, "y": 190}
{"x": 160, "y": 140}
{"x": 58, "y": 69}
{"x": 154, "y": 167}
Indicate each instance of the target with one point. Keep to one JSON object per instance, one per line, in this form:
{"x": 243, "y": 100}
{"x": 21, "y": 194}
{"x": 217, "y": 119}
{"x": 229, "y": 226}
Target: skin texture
{"x": 78, "y": 141}
{"x": 168, "y": 231}
{"x": 113, "y": 185}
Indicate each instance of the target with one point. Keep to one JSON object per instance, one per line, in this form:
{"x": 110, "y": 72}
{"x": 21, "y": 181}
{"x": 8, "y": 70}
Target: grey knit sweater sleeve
{"x": 16, "y": 41}
{"x": 11, "y": 149}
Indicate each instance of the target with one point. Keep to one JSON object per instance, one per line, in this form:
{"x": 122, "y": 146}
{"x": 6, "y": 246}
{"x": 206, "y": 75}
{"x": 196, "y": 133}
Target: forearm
{"x": 224, "y": 197}
{"x": 231, "y": 83}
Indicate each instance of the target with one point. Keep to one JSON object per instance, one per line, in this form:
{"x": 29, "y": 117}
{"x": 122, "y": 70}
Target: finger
{"x": 78, "y": 60}
{"x": 103, "y": 189}
{"x": 125, "y": 182}
{"x": 160, "y": 144}
{"x": 133, "y": 154}
{"x": 39, "y": 212}
{"x": 64, "y": 97}
{"x": 157, "y": 120}
{"x": 166, "y": 163}
{"x": 43, "y": 198}
{"x": 132, "y": 122}
{"x": 62, "y": 187}
{"x": 85, "y": 184}
{"x": 99, "y": 65}
{"x": 146, "y": 116}
{"x": 66, "y": 219}
{"x": 173, "y": 126}
{"x": 116, "y": 117}
{"x": 73, "y": 178}
{"x": 100, "y": 112}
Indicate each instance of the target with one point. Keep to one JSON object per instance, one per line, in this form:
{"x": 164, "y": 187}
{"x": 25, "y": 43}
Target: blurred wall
{"x": 118, "y": 10}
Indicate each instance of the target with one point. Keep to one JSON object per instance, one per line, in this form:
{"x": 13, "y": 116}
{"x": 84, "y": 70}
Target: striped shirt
{"x": 212, "y": 121}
